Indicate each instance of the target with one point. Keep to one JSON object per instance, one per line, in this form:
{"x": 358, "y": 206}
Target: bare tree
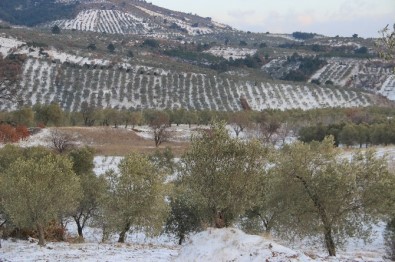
{"x": 159, "y": 125}
{"x": 61, "y": 141}
{"x": 239, "y": 121}
{"x": 268, "y": 127}
{"x": 385, "y": 45}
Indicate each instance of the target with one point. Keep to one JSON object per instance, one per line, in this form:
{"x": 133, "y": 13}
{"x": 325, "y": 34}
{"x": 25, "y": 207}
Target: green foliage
{"x": 307, "y": 66}
{"x": 50, "y": 114}
{"x": 221, "y": 173}
{"x": 92, "y": 187}
{"x": 82, "y": 159}
{"x": 183, "y": 218}
{"x": 164, "y": 160}
{"x": 135, "y": 198}
{"x": 55, "y": 29}
{"x": 36, "y": 191}
{"x": 339, "y": 198}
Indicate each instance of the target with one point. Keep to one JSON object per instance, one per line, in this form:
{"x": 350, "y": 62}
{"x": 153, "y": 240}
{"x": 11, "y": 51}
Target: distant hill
{"x": 31, "y": 13}
{"x": 135, "y": 55}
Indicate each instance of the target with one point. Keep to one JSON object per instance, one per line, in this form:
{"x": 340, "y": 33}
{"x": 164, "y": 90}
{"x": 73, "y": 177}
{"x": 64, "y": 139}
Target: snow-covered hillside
{"x": 136, "y": 18}
{"x": 106, "y": 21}
{"x": 371, "y": 75}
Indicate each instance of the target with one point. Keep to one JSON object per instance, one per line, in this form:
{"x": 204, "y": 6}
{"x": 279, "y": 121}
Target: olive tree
{"x": 328, "y": 195}
{"x": 92, "y": 187}
{"x": 135, "y": 197}
{"x": 221, "y": 174}
{"x": 36, "y": 191}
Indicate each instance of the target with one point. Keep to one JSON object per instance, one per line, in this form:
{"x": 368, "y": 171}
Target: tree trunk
{"x": 79, "y": 229}
{"x": 41, "y": 240}
{"x": 180, "y": 240}
{"x": 219, "y": 220}
{"x": 329, "y": 243}
{"x": 122, "y": 235}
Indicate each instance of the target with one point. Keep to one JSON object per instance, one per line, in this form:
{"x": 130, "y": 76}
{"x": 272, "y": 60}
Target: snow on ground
{"x": 26, "y": 251}
{"x": 41, "y": 138}
{"x": 388, "y": 88}
{"x": 190, "y": 29}
{"x": 6, "y": 44}
{"x": 178, "y": 133}
{"x": 104, "y": 163}
{"x": 230, "y": 52}
{"x": 211, "y": 245}
{"x": 232, "y": 244}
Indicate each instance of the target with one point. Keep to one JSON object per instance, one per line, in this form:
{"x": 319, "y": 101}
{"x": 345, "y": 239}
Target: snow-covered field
{"x": 228, "y": 244}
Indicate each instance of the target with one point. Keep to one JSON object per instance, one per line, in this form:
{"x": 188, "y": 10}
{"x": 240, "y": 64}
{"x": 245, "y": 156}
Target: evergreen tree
{"x": 338, "y": 197}
{"x": 135, "y": 197}
{"x": 37, "y": 191}
{"x": 221, "y": 174}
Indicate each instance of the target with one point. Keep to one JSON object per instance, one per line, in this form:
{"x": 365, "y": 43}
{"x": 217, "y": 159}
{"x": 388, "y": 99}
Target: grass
{"x": 120, "y": 141}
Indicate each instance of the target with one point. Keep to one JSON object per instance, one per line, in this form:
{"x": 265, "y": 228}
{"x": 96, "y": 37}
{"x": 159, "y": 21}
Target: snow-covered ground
{"x": 230, "y": 52}
{"x": 229, "y": 244}
{"x": 25, "y": 251}
{"x": 7, "y": 44}
{"x": 211, "y": 245}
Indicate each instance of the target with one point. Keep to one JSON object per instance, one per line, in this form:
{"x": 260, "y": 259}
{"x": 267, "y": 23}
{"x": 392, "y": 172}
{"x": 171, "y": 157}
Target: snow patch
{"x": 230, "y": 244}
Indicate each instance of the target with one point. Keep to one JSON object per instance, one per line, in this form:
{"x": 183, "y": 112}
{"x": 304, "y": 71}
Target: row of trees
{"x": 221, "y": 181}
{"x": 53, "y": 115}
{"x": 350, "y": 134}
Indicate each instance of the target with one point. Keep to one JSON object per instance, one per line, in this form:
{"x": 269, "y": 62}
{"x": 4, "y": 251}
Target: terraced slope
{"x": 140, "y": 87}
{"x": 136, "y": 17}
{"x": 105, "y": 21}
{"x": 373, "y": 75}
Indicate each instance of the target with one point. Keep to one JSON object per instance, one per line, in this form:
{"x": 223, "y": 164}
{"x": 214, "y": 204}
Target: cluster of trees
{"x": 220, "y": 181}
{"x": 11, "y": 134}
{"x": 303, "y": 35}
{"x": 307, "y": 66}
{"x": 331, "y": 51}
{"x": 350, "y": 134}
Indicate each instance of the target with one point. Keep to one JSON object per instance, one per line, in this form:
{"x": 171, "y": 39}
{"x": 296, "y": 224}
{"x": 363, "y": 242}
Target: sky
{"x": 327, "y": 17}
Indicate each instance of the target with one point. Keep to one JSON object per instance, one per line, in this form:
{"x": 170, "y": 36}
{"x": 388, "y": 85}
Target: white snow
{"x": 9, "y": 44}
{"x": 231, "y": 52}
{"x": 102, "y": 164}
{"x": 26, "y": 251}
{"x": 232, "y": 244}
{"x": 109, "y": 21}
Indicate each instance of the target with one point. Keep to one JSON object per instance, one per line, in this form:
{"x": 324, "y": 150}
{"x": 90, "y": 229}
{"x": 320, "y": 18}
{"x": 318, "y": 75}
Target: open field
{"x": 109, "y": 141}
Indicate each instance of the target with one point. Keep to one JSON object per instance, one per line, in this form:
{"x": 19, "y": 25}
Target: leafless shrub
{"x": 61, "y": 141}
